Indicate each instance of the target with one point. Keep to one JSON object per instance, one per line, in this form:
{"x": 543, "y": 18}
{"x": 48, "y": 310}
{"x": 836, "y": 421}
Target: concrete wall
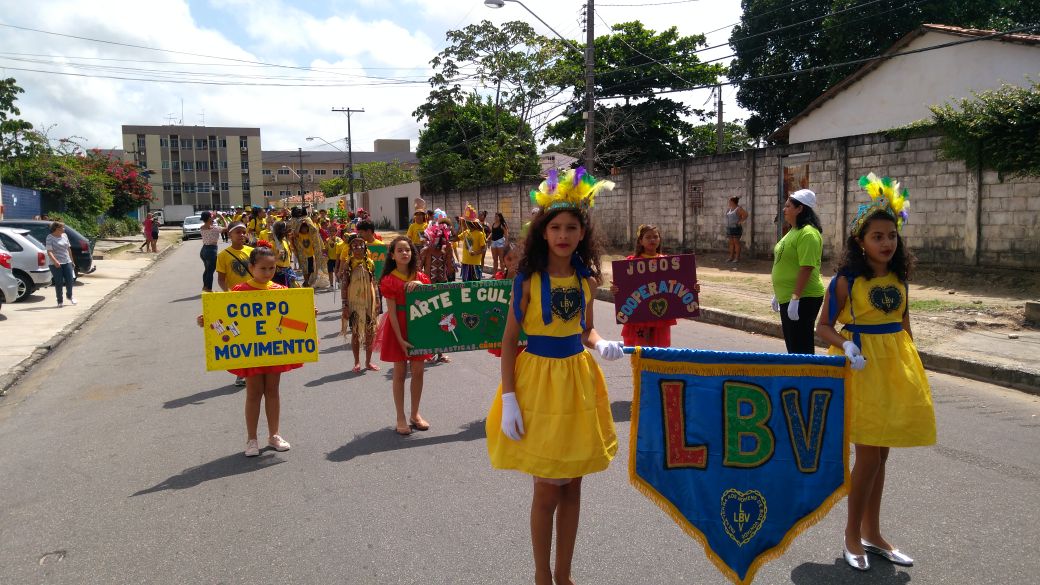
{"x": 884, "y": 98}
{"x": 958, "y": 217}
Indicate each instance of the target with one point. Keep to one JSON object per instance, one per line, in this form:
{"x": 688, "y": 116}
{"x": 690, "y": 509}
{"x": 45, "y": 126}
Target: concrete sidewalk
{"x": 36, "y": 325}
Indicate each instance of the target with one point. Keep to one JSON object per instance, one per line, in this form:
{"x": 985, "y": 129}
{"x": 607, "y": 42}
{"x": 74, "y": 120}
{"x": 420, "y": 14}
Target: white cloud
{"x": 359, "y": 38}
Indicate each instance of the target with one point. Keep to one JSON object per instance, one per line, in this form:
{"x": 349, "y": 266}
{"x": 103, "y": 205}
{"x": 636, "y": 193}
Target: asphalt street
{"x": 122, "y": 463}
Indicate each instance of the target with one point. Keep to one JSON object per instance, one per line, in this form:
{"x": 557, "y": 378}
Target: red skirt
{"x": 656, "y": 334}
{"x": 389, "y": 349}
{"x": 247, "y": 372}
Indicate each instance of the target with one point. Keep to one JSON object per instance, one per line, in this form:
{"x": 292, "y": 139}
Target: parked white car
{"x": 28, "y": 260}
{"x": 192, "y": 227}
{"x": 8, "y": 283}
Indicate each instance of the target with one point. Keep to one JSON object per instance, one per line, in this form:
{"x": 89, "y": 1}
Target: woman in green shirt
{"x": 797, "y": 287}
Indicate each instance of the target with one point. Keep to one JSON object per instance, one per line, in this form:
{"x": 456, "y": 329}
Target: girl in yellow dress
{"x": 551, "y": 415}
{"x": 888, "y": 393}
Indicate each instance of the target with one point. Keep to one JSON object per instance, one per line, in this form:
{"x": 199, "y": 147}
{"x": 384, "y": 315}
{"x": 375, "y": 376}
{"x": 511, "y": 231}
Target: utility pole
{"x": 719, "y": 130}
{"x": 350, "y": 154}
{"x": 590, "y": 89}
{"x": 300, "y": 175}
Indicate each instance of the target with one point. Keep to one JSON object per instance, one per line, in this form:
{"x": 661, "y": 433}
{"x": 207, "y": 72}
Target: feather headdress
{"x": 576, "y": 189}
{"x": 885, "y": 195}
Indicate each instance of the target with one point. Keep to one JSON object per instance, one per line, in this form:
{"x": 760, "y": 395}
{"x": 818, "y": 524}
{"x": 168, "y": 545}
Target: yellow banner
{"x": 262, "y": 328}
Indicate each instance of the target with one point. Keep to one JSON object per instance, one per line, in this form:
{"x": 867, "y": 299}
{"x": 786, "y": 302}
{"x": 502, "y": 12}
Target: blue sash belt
{"x": 554, "y": 347}
{"x": 872, "y": 330}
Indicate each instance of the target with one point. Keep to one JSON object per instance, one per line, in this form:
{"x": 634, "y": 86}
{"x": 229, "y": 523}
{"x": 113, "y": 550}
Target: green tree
{"x": 124, "y": 180}
{"x": 779, "y": 36}
{"x": 13, "y": 131}
{"x": 634, "y": 64}
{"x": 704, "y": 137}
{"x": 472, "y": 144}
{"x": 372, "y": 175}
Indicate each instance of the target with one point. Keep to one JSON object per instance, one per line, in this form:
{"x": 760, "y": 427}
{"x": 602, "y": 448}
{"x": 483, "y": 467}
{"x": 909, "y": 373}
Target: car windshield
{"x": 193, "y": 219}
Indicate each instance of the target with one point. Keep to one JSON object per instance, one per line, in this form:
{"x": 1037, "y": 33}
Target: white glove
{"x": 512, "y": 420}
{"x": 856, "y": 359}
{"x": 610, "y": 350}
{"x": 792, "y": 310}
{"x": 775, "y": 304}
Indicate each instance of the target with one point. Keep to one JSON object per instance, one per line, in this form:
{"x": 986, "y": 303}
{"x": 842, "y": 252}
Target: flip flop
{"x": 372, "y": 367}
{"x": 356, "y": 370}
{"x": 419, "y": 427}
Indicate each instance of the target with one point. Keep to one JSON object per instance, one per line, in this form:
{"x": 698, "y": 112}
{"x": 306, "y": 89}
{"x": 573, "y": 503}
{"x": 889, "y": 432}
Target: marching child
{"x": 888, "y": 392}
{"x": 261, "y": 382}
{"x": 400, "y": 274}
{"x": 307, "y": 245}
{"x": 333, "y": 248}
{"x": 551, "y": 415}
{"x": 283, "y": 273}
{"x": 473, "y": 245}
{"x": 233, "y": 266}
{"x": 359, "y": 303}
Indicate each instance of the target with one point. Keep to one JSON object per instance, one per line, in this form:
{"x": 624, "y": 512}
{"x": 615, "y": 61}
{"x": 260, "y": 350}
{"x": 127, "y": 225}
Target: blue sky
{"x": 328, "y": 45}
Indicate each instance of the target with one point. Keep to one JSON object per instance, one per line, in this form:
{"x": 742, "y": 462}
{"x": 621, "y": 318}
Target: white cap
{"x": 535, "y": 210}
{"x": 805, "y": 197}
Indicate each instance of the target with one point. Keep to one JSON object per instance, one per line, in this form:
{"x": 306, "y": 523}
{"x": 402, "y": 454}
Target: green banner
{"x": 458, "y": 316}
{"x": 377, "y": 252}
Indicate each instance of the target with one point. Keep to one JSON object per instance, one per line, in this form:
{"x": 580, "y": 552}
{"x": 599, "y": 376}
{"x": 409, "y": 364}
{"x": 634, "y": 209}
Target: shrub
{"x": 87, "y": 227}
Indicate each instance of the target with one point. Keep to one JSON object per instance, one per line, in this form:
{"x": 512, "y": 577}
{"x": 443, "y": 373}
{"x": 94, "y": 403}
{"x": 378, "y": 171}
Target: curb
{"x": 9, "y": 379}
{"x": 965, "y": 368}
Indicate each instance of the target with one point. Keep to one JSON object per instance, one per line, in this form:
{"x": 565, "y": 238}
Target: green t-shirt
{"x": 799, "y": 247}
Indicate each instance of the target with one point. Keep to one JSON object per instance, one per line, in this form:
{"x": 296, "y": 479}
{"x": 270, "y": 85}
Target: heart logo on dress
{"x": 658, "y": 307}
{"x": 566, "y": 302}
{"x": 470, "y": 320}
{"x": 742, "y": 514}
{"x": 886, "y": 298}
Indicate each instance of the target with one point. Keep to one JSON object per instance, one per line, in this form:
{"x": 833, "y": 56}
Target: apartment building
{"x": 208, "y": 167}
{"x": 294, "y": 172}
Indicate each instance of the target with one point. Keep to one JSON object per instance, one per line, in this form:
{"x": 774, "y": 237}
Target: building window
{"x": 223, "y": 142}
{"x": 266, "y": 171}
{"x": 245, "y": 185}
{"x": 186, "y": 143}
{"x": 212, "y": 142}
{"x": 243, "y": 143}
{"x": 284, "y": 193}
{"x": 205, "y": 187}
{"x": 337, "y": 172}
{"x": 245, "y": 165}
{"x": 320, "y": 171}
{"x": 223, "y": 164}
{"x": 200, "y": 144}
{"x": 202, "y": 166}
{"x": 140, "y": 141}
{"x": 167, "y": 186}
{"x": 304, "y": 171}
{"x": 188, "y": 187}
{"x": 164, "y": 142}
{"x": 283, "y": 171}
{"x": 186, "y": 165}
{"x": 165, "y": 164}
{"x": 268, "y": 193}
{"x": 223, "y": 186}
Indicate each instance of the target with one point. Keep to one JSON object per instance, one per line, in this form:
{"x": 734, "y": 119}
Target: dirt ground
{"x": 942, "y": 300}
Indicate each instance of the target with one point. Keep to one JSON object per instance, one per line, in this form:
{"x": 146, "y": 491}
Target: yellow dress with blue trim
{"x": 568, "y": 427}
{"x": 890, "y": 399}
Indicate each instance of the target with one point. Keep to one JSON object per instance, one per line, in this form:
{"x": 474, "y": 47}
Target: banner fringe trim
{"x": 663, "y": 367}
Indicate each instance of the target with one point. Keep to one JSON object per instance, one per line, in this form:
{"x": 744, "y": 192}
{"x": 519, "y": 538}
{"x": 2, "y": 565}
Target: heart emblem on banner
{"x": 470, "y": 320}
{"x": 658, "y": 307}
{"x": 742, "y": 514}
{"x": 566, "y": 302}
{"x": 886, "y": 298}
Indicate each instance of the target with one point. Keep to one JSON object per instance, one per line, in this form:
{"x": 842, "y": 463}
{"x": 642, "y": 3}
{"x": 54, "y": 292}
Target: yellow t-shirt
{"x": 237, "y": 216}
{"x": 265, "y": 234}
{"x": 284, "y": 255}
{"x": 473, "y": 242}
{"x": 234, "y": 265}
{"x": 415, "y": 232}
{"x": 307, "y": 243}
{"x": 256, "y": 225}
{"x": 334, "y": 247}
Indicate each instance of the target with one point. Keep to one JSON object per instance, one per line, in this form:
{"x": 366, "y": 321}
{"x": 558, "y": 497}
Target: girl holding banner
{"x": 261, "y": 382}
{"x": 889, "y": 396}
{"x": 400, "y": 274}
{"x": 551, "y": 415}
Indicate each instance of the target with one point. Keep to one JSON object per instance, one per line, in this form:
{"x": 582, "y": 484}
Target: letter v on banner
{"x": 744, "y": 451}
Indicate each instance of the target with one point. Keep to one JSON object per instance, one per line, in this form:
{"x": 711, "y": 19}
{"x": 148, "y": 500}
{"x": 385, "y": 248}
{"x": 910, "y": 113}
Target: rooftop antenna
{"x": 170, "y": 118}
{"x": 181, "y": 123}
{"x": 202, "y": 114}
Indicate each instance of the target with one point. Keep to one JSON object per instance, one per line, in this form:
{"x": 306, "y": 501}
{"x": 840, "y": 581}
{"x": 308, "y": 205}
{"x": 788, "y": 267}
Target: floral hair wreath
{"x": 575, "y": 190}
{"x": 886, "y": 196}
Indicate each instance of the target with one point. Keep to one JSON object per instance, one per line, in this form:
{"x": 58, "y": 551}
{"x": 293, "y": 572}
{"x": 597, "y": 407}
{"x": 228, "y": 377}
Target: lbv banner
{"x": 743, "y": 450}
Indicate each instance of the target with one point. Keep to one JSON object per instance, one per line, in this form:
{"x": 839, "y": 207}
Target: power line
{"x": 652, "y": 3}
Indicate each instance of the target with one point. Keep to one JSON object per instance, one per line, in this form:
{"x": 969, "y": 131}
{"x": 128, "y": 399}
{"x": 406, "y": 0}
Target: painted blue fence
{"x": 20, "y": 203}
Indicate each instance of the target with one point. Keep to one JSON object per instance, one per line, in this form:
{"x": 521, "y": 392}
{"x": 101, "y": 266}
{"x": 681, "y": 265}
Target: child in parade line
{"x": 510, "y": 262}
{"x": 401, "y": 274}
{"x": 473, "y": 246}
{"x": 262, "y": 381}
{"x": 888, "y": 391}
{"x": 417, "y": 227}
{"x": 651, "y": 333}
{"x": 359, "y": 303}
{"x": 283, "y": 274}
{"x": 551, "y": 417}
{"x": 333, "y": 248}
{"x": 233, "y": 266}
{"x": 307, "y": 246}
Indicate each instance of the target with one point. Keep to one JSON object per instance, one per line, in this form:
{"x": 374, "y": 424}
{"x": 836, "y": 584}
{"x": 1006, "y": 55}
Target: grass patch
{"x": 937, "y": 306}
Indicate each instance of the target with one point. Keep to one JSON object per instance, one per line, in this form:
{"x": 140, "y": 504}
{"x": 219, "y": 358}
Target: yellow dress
{"x": 568, "y": 428}
{"x": 890, "y": 400}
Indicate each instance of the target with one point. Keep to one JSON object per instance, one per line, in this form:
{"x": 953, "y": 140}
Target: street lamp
{"x": 350, "y": 163}
{"x": 590, "y": 97}
{"x": 298, "y": 176}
